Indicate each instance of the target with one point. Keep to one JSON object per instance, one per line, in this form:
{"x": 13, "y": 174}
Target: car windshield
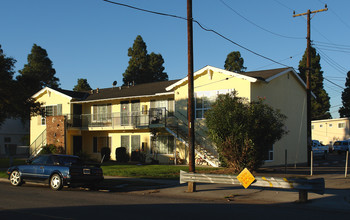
{"x": 337, "y": 143}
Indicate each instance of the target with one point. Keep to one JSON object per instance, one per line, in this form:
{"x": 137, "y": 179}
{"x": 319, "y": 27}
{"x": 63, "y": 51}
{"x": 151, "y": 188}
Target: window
{"x": 125, "y": 142}
{"x": 312, "y": 127}
{"x": 101, "y": 112}
{"x": 100, "y": 142}
{"x": 135, "y": 142}
{"x": 321, "y": 126}
{"x": 330, "y": 125}
{"x": 341, "y": 125}
{"x": 51, "y": 110}
{"x": 202, "y": 105}
{"x": 204, "y": 99}
{"x": 165, "y": 144}
{"x": 269, "y": 154}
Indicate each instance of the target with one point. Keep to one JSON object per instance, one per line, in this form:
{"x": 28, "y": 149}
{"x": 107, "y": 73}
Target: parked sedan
{"x": 341, "y": 146}
{"x": 57, "y": 171}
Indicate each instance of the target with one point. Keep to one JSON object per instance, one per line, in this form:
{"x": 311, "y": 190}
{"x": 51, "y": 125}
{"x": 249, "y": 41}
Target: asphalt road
{"x": 39, "y": 202}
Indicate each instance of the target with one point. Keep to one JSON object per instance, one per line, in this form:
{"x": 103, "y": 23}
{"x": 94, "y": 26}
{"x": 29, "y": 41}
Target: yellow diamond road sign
{"x": 245, "y": 178}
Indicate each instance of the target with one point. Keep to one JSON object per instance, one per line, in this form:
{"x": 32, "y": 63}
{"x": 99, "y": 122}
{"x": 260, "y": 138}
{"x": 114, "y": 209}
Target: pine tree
{"x": 39, "y": 72}
{"x": 14, "y": 101}
{"x": 344, "y": 111}
{"x": 234, "y": 62}
{"x": 143, "y": 67}
{"x": 6, "y": 85}
{"x": 82, "y": 85}
{"x": 320, "y": 105}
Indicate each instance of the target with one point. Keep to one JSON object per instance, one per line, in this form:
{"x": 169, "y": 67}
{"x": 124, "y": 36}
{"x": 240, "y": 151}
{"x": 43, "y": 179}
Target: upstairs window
{"x": 101, "y": 112}
{"x": 51, "y": 110}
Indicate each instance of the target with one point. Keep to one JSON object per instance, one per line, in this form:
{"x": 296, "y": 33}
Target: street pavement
{"x": 335, "y": 198}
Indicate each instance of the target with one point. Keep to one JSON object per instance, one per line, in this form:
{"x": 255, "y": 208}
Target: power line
{"x": 331, "y": 62}
{"x": 200, "y": 25}
{"x": 333, "y": 83}
{"x": 256, "y": 25}
{"x": 348, "y": 26}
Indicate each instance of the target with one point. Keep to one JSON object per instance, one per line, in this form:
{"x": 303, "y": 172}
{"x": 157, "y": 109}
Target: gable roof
{"x": 140, "y": 90}
{"x": 66, "y": 93}
{"x": 252, "y": 76}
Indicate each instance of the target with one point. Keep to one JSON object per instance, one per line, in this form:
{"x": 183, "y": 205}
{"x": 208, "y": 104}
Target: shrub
{"x": 49, "y": 149}
{"x": 243, "y": 131}
{"x": 106, "y": 154}
{"x": 120, "y": 155}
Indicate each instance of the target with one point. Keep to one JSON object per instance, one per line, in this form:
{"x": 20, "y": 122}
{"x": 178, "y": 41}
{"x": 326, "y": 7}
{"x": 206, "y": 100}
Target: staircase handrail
{"x": 36, "y": 146}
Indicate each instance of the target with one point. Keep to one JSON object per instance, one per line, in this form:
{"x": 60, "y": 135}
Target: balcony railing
{"x": 152, "y": 117}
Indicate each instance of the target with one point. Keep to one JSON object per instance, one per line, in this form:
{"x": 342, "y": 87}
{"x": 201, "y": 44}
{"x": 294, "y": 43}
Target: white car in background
{"x": 319, "y": 150}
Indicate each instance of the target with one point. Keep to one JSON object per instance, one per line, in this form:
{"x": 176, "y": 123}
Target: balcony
{"x": 154, "y": 117}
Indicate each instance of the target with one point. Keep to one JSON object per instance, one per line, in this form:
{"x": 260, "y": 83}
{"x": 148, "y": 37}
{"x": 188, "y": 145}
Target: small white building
{"x": 330, "y": 130}
{"x": 14, "y": 131}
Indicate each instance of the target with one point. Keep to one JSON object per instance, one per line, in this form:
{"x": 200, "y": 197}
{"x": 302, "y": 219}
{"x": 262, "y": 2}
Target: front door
{"x": 77, "y": 145}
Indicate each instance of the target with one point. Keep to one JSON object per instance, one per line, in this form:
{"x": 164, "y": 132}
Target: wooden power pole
{"x": 308, "y": 80}
{"x": 190, "y": 107}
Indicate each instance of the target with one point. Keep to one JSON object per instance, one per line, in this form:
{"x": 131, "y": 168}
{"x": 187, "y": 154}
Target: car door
{"x": 35, "y": 169}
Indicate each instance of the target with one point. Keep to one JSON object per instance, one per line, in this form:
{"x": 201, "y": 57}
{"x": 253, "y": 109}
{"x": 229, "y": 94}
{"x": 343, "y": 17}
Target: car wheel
{"x": 15, "y": 178}
{"x": 56, "y": 182}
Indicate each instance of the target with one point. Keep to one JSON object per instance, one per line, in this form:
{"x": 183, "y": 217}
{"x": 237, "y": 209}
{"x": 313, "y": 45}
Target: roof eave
{"x": 226, "y": 72}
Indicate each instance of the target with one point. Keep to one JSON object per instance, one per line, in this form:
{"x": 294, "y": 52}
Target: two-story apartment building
{"x": 152, "y": 117}
{"x": 330, "y": 130}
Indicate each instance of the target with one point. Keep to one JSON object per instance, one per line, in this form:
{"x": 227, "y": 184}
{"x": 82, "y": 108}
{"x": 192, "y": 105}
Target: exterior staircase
{"x": 38, "y": 144}
{"x": 179, "y": 129}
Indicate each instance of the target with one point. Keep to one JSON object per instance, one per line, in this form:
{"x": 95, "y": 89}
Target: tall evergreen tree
{"x": 319, "y": 106}
{"x": 344, "y": 111}
{"x": 14, "y": 102}
{"x": 156, "y": 68}
{"x": 38, "y": 72}
{"x": 6, "y": 86}
{"x": 234, "y": 62}
{"x": 82, "y": 85}
{"x": 143, "y": 67}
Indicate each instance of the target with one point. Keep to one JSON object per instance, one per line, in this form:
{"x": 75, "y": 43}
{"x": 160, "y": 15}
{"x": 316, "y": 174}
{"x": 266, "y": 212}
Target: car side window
{"x": 50, "y": 160}
{"x": 40, "y": 160}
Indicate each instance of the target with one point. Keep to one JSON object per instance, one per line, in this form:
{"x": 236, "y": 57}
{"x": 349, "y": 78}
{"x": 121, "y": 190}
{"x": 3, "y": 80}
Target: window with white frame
{"x": 205, "y": 98}
{"x": 165, "y": 144}
{"x": 101, "y": 112}
{"x": 51, "y": 110}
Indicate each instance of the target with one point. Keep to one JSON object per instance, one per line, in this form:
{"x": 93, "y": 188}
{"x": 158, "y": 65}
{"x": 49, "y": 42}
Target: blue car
{"x": 57, "y": 171}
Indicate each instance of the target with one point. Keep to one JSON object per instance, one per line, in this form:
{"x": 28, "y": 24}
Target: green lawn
{"x": 148, "y": 171}
{"x": 137, "y": 171}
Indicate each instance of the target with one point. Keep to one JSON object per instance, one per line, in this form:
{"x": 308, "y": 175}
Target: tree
{"x": 82, "y": 85}
{"x": 143, "y": 67}
{"x": 245, "y": 132}
{"x": 14, "y": 102}
{"x": 234, "y": 62}
{"x": 344, "y": 111}
{"x": 6, "y": 86}
{"x": 39, "y": 72}
{"x": 319, "y": 106}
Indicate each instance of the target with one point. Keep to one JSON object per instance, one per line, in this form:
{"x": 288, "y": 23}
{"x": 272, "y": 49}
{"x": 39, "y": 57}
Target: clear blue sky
{"x": 90, "y": 38}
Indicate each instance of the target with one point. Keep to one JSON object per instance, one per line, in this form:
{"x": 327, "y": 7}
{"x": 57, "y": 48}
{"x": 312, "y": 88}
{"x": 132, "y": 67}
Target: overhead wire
{"x": 200, "y": 25}
{"x": 256, "y": 25}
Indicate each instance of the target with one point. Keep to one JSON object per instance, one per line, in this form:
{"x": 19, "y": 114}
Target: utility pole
{"x": 190, "y": 108}
{"x": 308, "y": 79}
